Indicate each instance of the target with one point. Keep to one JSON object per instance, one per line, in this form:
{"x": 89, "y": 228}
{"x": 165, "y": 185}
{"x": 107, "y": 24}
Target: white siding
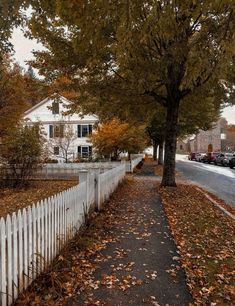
{"x": 43, "y": 114}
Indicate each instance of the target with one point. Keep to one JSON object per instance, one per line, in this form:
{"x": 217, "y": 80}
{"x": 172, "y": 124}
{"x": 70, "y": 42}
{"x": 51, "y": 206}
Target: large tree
{"x": 168, "y": 52}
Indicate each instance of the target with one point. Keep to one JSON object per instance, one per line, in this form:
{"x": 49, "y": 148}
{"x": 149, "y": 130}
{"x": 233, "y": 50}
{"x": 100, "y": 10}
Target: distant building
{"x": 51, "y": 114}
{"x": 228, "y": 140}
{"x": 183, "y": 146}
{"x": 205, "y": 141}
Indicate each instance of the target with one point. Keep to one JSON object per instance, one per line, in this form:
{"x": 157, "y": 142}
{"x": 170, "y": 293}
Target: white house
{"x": 67, "y": 135}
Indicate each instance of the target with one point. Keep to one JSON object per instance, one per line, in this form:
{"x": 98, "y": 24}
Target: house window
{"x": 55, "y": 108}
{"x": 84, "y": 151}
{"x": 56, "y": 150}
{"x": 56, "y": 130}
{"x": 84, "y": 130}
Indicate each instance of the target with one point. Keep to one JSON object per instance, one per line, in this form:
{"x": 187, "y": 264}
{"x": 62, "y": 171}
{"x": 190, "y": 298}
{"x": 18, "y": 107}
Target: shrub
{"x": 22, "y": 153}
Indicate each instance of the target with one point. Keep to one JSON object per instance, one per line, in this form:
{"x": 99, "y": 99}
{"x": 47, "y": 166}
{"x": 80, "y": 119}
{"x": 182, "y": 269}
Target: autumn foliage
{"x": 114, "y": 137}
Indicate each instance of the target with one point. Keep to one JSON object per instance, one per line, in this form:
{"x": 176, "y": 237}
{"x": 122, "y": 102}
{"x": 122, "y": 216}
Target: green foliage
{"x": 22, "y": 152}
{"x": 114, "y": 137}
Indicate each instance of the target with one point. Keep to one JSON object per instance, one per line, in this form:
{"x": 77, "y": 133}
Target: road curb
{"x": 216, "y": 204}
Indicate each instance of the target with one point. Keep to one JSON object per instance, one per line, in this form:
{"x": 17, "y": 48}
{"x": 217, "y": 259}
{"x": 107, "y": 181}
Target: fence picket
{"x": 38, "y": 255}
{"x": 15, "y": 255}
{"x": 9, "y": 260}
{"x": 49, "y": 230}
{"x": 34, "y": 242}
{"x": 3, "y": 275}
{"x": 26, "y": 247}
{"x": 30, "y": 245}
{"x": 20, "y": 252}
{"x": 46, "y": 243}
{"x": 42, "y": 236}
{"x": 52, "y": 229}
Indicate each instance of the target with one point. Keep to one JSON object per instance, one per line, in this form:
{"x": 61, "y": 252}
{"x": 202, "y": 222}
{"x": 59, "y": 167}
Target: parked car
{"x": 223, "y": 159}
{"x": 192, "y": 156}
{"x": 210, "y": 157}
{"x": 232, "y": 162}
{"x": 199, "y": 156}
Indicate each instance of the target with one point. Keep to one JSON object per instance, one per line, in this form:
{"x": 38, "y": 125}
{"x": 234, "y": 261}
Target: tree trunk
{"x": 155, "y": 145}
{"x": 168, "y": 178}
{"x": 160, "y": 154}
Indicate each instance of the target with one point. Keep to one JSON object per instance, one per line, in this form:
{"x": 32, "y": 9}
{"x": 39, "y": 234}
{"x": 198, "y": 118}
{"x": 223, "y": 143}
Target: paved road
{"x": 216, "y": 179}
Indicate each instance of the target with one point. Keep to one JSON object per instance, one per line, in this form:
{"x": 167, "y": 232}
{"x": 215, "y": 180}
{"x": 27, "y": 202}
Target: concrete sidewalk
{"x": 141, "y": 266}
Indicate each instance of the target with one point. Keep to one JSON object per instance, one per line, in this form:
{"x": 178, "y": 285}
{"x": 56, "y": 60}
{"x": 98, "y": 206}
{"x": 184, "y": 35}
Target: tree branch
{"x": 160, "y": 99}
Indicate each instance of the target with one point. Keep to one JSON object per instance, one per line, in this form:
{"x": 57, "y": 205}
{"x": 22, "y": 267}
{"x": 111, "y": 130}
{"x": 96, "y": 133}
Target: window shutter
{"x": 51, "y": 130}
{"x": 79, "y": 130}
{"x": 90, "y": 129}
{"x": 79, "y": 151}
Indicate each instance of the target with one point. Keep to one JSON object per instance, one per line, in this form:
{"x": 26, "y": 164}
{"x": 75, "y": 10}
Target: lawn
{"x": 205, "y": 239}
{"x": 12, "y": 199}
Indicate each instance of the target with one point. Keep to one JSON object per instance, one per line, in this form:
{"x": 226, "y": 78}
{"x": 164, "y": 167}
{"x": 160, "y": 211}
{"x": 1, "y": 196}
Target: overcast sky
{"x": 24, "y": 47}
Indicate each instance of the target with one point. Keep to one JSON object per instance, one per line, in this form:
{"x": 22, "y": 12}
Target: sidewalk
{"x": 139, "y": 267}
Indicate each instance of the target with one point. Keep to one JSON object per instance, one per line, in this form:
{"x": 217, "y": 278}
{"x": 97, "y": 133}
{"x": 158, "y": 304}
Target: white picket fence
{"x": 135, "y": 160}
{"x": 31, "y": 238}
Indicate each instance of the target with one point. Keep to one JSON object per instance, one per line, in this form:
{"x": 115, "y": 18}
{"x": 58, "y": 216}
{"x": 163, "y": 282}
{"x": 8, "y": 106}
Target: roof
{"x": 44, "y": 101}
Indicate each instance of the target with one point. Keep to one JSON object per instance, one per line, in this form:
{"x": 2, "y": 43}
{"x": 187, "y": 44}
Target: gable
{"x": 43, "y": 112}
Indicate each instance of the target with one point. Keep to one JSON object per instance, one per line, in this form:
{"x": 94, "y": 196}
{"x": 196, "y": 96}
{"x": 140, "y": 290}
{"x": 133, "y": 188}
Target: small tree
{"x": 63, "y": 140}
{"x": 114, "y": 137}
{"x": 22, "y": 153}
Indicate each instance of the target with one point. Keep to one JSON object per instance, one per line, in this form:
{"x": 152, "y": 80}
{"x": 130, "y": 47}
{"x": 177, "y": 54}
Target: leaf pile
{"x": 12, "y": 199}
{"x": 205, "y": 239}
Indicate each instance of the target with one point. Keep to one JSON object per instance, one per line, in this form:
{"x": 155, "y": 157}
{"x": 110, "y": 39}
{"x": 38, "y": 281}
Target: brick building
{"x": 205, "y": 139}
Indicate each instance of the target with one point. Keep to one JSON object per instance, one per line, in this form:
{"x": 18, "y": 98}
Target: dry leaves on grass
{"x": 205, "y": 239}
{"x": 12, "y": 199}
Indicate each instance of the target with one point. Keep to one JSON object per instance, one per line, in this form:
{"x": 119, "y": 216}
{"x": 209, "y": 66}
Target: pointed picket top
{"x": 3, "y": 276}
